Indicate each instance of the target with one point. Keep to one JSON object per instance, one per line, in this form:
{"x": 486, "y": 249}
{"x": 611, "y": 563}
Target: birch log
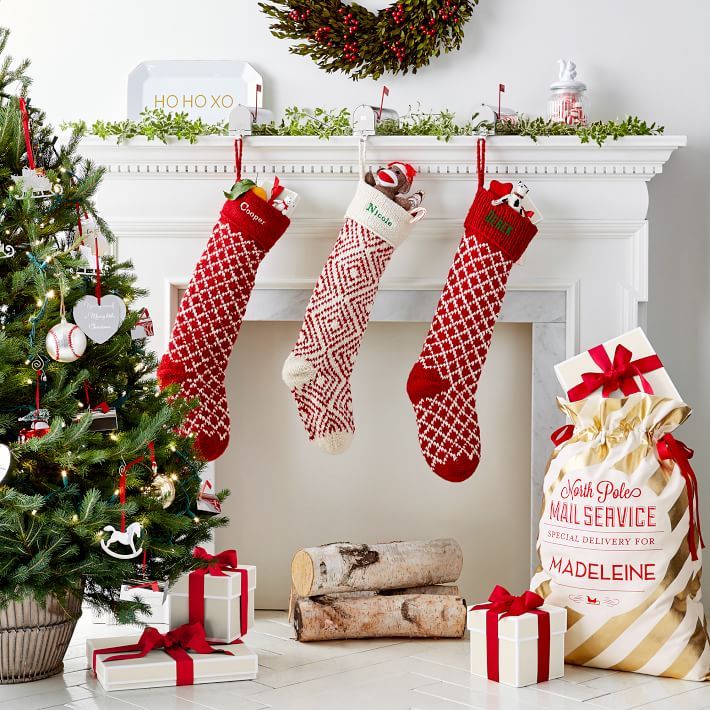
{"x": 346, "y": 567}
{"x": 403, "y": 615}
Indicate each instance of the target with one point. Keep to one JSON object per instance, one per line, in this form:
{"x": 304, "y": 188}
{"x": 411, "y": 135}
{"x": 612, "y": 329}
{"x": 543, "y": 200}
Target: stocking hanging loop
{"x": 481, "y": 160}
{"x": 361, "y": 150}
{"x": 238, "y": 152}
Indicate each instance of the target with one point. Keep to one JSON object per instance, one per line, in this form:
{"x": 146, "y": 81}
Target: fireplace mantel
{"x": 583, "y": 279}
{"x": 632, "y": 158}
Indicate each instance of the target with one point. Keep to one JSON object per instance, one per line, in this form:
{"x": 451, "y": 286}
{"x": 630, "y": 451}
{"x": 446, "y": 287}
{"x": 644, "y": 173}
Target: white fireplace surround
{"x": 583, "y": 279}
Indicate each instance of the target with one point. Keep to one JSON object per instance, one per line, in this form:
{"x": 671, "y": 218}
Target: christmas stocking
{"x": 442, "y": 384}
{"x": 319, "y": 367}
{"x": 211, "y": 313}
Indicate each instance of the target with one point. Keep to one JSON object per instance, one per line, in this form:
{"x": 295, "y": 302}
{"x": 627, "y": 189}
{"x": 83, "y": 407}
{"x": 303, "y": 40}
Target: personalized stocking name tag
{"x": 100, "y": 322}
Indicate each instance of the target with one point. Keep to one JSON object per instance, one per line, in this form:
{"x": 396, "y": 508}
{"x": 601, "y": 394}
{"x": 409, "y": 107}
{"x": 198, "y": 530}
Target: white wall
{"x": 644, "y": 57}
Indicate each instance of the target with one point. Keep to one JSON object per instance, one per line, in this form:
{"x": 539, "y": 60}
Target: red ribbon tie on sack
{"x": 561, "y": 435}
{"x": 176, "y": 643}
{"x": 501, "y": 603}
{"x": 225, "y": 561}
{"x": 617, "y": 375}
{"x": 669, "y": 448}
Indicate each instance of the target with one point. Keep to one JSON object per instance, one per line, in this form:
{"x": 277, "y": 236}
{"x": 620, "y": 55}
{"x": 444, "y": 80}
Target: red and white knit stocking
{"x": 211, "y": 312}
{"x": 319, "y": 367}
{"x": 442, "y": 384}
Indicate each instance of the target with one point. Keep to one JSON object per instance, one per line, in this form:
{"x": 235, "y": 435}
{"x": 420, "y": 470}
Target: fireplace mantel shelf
{"x": 627, "y": 158}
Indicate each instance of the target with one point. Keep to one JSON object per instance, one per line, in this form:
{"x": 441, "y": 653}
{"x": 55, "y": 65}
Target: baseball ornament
{"x": 65, "y": 342}
{"x": 5, "y": 461}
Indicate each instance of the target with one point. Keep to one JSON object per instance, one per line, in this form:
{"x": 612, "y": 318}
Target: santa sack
{"x": 619, "y": 539}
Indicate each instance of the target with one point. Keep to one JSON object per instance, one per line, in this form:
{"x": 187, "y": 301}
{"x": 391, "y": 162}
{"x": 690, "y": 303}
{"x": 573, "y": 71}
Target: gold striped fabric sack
{"x": 619, "y": 542}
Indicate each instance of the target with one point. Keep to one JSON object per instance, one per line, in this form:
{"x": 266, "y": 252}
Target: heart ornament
{"x": 99, "y": 322}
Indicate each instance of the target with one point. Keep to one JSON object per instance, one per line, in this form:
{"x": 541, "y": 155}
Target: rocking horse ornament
{"x": 127, "y": 538}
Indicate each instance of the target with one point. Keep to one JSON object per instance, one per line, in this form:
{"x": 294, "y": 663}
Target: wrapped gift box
{"x": 152, "y": 594}
{"x": 569, "y": 373}
{"x": 158, "y": 669}
{"x": 518, "y": 643}
{"x": 223, "y": 603}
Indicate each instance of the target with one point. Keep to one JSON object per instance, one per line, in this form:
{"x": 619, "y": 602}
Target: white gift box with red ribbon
{"x": 151, "y": 593}
{"x": 219, "y": 596}
{"x": 618, "y": 367}
{"x": 157, "y": 669}
{"x": 517, "y": 641}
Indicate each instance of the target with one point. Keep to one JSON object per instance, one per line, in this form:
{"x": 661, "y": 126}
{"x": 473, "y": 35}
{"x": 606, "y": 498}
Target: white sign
{"x": 206, "y": 89}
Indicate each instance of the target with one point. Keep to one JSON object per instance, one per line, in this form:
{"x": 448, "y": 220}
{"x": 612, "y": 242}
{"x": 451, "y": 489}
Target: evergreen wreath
{"x": 347, "y": 37}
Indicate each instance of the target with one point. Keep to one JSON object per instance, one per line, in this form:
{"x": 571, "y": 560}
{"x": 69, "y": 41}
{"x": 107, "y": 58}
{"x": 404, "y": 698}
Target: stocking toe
{"x": 335, "y": 442}
{"x": 457, "y": 470}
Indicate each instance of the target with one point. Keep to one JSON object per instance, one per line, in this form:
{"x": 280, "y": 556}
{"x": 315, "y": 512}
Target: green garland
{"x": 442, "y": 124}
{"x": 349, "y": 38}
{"x": 324, "y": 124}
{"x": 153, "y": 124}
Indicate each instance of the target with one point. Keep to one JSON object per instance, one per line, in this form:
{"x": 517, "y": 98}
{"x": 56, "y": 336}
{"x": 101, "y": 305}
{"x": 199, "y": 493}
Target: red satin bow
{"x": 502, "y": 603}
{"x": 218, "y": 564}
{"x": 226, "y": 560}
{"x": 669, "y": 448}
{"x": 617, "y": 375}
{"x": 176, "y": 643}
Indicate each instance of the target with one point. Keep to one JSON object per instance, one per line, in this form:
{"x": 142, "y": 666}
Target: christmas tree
{"x": 96, "y": 488}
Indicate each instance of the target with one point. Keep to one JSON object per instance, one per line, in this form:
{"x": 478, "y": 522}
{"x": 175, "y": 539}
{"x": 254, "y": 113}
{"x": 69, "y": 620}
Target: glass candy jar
{"x": 568, "y": 102}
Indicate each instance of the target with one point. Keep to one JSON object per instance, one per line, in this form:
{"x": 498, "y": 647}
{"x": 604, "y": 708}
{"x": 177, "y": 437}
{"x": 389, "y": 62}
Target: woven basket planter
{"x": 33, "y": 640}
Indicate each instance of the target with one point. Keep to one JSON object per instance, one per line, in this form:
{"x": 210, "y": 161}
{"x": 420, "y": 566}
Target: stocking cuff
{"x": 500, "y": 225}
{"x": 381, "y": 215}
{"x": 256, "y": 219}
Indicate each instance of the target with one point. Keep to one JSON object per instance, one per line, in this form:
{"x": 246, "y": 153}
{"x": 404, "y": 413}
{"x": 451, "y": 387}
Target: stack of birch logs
{"x": 349, "y": 591}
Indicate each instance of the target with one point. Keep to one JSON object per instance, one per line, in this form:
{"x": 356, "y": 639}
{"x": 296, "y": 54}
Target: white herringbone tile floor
{"x": 353, "y": 675}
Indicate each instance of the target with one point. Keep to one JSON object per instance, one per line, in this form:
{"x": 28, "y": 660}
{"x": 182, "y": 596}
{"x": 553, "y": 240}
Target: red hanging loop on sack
{"x": 26, "y": 130}
{"x": 669, "y": 448}
{"x": 481, "y": 160}
{"x": 238, "y": 152}
{"x": 564, "y": 433}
